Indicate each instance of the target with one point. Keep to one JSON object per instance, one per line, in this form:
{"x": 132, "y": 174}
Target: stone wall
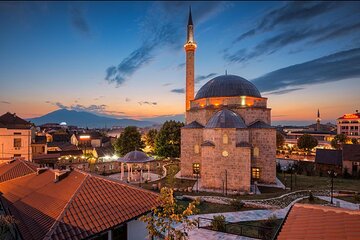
{"x": 265, "y": 141}
{"x": 189, "y": 138}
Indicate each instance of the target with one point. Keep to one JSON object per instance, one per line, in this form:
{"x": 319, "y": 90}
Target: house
{"x": 39, "y": 146}
{"x": 310, "y": 221}
{"x": 15, "y": 137}
{"x": 351, "y": 158}
{"x": 54, "y": 204}
{"x": 327, "y": 160}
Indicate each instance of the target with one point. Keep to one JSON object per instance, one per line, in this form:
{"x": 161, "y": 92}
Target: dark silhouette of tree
{"x": 354, "y": 141}
{"x": 150, "y": 138}
{"x": 307, "y": 142}
{"x": 280, "y": 140}
{"x": 338, "y": 140}
{"x": 167, "y": 142}
{"x": 128, "y": 141}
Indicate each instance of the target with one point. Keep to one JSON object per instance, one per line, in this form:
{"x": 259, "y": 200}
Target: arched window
{"x": 256, "y": 152}
{"x": 225, "y": 139}
{"x": 196, "y": 149}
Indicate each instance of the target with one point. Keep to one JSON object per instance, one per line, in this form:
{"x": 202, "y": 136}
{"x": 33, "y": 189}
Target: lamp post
{"x": 332, "y": 174}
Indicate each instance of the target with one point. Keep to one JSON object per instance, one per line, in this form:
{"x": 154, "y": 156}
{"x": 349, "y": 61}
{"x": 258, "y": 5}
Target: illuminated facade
{"x": 349, "y": 124}
{"x": 228, "y": 141}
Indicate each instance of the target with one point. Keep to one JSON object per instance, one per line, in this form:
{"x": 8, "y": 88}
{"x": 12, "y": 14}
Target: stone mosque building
{"x": 227, "y": 141}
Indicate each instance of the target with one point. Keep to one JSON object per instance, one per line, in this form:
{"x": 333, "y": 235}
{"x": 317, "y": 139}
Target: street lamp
{"x": 332, "y": 174}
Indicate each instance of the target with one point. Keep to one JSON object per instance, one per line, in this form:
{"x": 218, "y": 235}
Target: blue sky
{"x": 126, "y": 59}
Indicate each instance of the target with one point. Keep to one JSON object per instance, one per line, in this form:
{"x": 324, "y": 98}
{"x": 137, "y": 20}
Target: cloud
{"x": 281, "y": 92}
{"x": 5, "y": 102}
{"x": 166, "y": 84}
{"x": 200, "y": 78}
{"x": 79, "y": 22}
{"x": 285, "y": 38}
{"x": 335, "y": 67}
{"x": 180, "y": 66}
{"x": 289, "y": 13}
{"x": 97, "y": 98}
{"x": 178, "y": 90}
{"x": 127, "y": 99}
{"x": 162, "y": 24}
{"x": 147, "y": 103}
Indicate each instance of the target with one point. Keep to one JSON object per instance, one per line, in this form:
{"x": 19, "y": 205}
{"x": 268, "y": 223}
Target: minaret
{"x": 190, "y": 47}
{"x": 318, "y": 121}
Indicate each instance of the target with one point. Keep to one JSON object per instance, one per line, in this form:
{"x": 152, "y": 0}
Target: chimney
{"x": 61, "y": 174}
{"x": 40, "y": 170}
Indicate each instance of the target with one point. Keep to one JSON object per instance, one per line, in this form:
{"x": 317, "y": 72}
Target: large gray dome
{"x": 225, "y": 119}
{"x": 135, "y": 157}
{"x": 227, "y": 86}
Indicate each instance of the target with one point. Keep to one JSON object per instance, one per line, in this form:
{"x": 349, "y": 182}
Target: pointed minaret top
{"x": 318, "y": 115}
{"x": 190, "y": 22}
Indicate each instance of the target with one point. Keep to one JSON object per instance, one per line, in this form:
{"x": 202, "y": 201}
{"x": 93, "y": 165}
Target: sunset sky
{"x": 126, "y": 59}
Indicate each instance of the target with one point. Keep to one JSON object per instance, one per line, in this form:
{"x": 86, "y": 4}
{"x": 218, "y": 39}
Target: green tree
{"x": 354, "y": 141}
{"x": 150, "y": 138}
{"x": 129, "y": 140}
{"x": 280, "y": 140}
{"x": 338, "y": 140}
{"x": 164, "y": 218}
{"x": 167, "y": 143}
{"x": 307, "y": 142}
{"x": 7, "y": 227}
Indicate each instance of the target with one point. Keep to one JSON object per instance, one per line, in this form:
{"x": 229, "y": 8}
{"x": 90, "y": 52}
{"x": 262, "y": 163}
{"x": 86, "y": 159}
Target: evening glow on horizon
{"x": 126, "y": 59}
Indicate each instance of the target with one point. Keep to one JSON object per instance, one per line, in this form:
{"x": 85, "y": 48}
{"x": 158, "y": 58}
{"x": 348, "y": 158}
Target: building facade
{"x": 349, "y": 124}
{"x": 15, "y": 137}
{"x": 227, "y": 141}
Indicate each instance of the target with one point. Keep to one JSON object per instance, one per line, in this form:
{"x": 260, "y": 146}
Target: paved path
{"x": 254, "y": 215}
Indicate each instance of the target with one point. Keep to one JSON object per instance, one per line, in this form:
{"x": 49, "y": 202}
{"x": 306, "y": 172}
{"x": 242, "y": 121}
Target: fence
{"x": 237, "y": 228}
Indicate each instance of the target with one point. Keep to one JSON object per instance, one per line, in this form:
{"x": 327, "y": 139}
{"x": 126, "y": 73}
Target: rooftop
{"x": 11, "y": 121}
{"x": 225, "y": 119}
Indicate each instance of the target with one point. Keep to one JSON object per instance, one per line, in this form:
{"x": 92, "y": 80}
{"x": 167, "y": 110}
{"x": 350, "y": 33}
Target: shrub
{"x": 357, "y": 197}
{"x": 218, "y": 223}
{"x": 268, "y": 227}
{"x": 237, "y": 204}
{"x": 311, "y": 197}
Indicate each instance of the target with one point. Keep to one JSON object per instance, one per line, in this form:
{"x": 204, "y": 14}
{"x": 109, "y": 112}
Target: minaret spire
{"x": 318, "y": 121}
{"x": 190, "y": 47}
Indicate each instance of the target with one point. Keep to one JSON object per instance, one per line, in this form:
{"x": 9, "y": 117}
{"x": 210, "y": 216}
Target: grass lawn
{"x": 316, "y": 201}
{"x": 351, "y": 199}
{"x": 253, "y": 228}
{"x": 319, "y": 183}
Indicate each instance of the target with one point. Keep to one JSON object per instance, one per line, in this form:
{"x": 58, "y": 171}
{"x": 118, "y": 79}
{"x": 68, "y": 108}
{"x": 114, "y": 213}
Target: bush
{"x": 218, "y": 223}
{"x": 237, "y": 204}
{"x": 311, "y": 197}
{"x": 357, "y": 197}
{"x": 268, "y": 229}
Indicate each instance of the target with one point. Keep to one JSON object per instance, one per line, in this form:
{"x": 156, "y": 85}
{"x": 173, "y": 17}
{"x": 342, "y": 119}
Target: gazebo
{"x": 133, "y": 159}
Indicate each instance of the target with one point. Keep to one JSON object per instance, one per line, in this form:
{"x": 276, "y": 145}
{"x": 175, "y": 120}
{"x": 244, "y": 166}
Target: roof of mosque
{"x": 225, "y": 119}
{"x": 136, "y": 157}
{"x": 228, "y": 86}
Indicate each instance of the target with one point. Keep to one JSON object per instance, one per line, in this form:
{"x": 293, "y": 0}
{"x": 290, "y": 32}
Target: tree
{"x": 128, "y": 141}
{"x": 307, "y": 142}
{"x": 167, "y": 143}
{"x": 354, "y": 141}
{"x": 338, "y": 140}
{"x": 280, "y": 140}
{"x": 150, "y": 138}
{"x": 7, "y": 224}
{"x": 169, "y": 213}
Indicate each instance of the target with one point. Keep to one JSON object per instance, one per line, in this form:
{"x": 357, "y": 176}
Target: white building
{"x": 349, "y": 124}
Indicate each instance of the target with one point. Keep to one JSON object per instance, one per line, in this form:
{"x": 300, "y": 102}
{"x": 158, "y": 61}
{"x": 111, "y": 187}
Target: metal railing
{"x": 236, "y": 228}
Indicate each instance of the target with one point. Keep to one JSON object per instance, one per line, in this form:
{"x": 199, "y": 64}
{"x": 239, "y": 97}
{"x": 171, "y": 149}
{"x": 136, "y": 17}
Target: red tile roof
{"x": 320, "y": 222}
{"x": 11, "y": 121}
{"x": 78, "y": 206}
{"x": 16, "y": 168}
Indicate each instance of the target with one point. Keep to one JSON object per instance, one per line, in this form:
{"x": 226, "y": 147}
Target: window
{"x": 17, "y": 155}
{"x": 17, "y": 142}
{"x": 17, "y": 133}
{"x": 225, "y": 139}
{"x": 196, "y": 149}
{"x": 256, "y": 152}
{"x": 111, "y": 167}
{"x": 196, "y": 168}
{"x": 120, "y": 233}
{"x": 255, "y": 173}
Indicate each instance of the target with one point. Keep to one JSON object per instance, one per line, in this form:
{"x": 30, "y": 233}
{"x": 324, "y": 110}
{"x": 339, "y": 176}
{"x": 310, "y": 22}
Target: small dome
{"x": 136, "y": 157}
{"x": 225, "y": 119}
{"x": 228, "y": 86}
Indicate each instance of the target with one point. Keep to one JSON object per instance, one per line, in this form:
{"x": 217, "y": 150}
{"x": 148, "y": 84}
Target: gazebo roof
{"x": 136, "y": 157}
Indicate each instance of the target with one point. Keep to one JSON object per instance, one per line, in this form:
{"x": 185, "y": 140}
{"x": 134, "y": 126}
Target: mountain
{"x": 86, "y": 119}
{"x": 162, "y": 119}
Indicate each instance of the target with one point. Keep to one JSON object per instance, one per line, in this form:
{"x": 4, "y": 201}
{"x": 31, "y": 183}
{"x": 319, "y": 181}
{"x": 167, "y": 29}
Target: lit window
{"x": 256, "y": 152}
{"x": 225, "y": 153}
{"x": 225, "y": 139}
{"x": 17, "y": 142}
{"x": 196, "y": 168}
{"x": 111, "y": 167}
{"x": 196, "y": 149}
{"x": 255, "y": 173}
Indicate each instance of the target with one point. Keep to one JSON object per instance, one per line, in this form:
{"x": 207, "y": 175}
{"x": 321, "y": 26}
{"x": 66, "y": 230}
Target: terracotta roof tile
{"x": 320, "y": 222}
{"x": 76, "y": 207}
{"x": 16, "y": 168}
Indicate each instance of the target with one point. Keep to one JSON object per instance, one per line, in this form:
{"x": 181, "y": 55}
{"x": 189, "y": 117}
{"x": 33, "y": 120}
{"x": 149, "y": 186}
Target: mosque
{"x": 228, "y": 141}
